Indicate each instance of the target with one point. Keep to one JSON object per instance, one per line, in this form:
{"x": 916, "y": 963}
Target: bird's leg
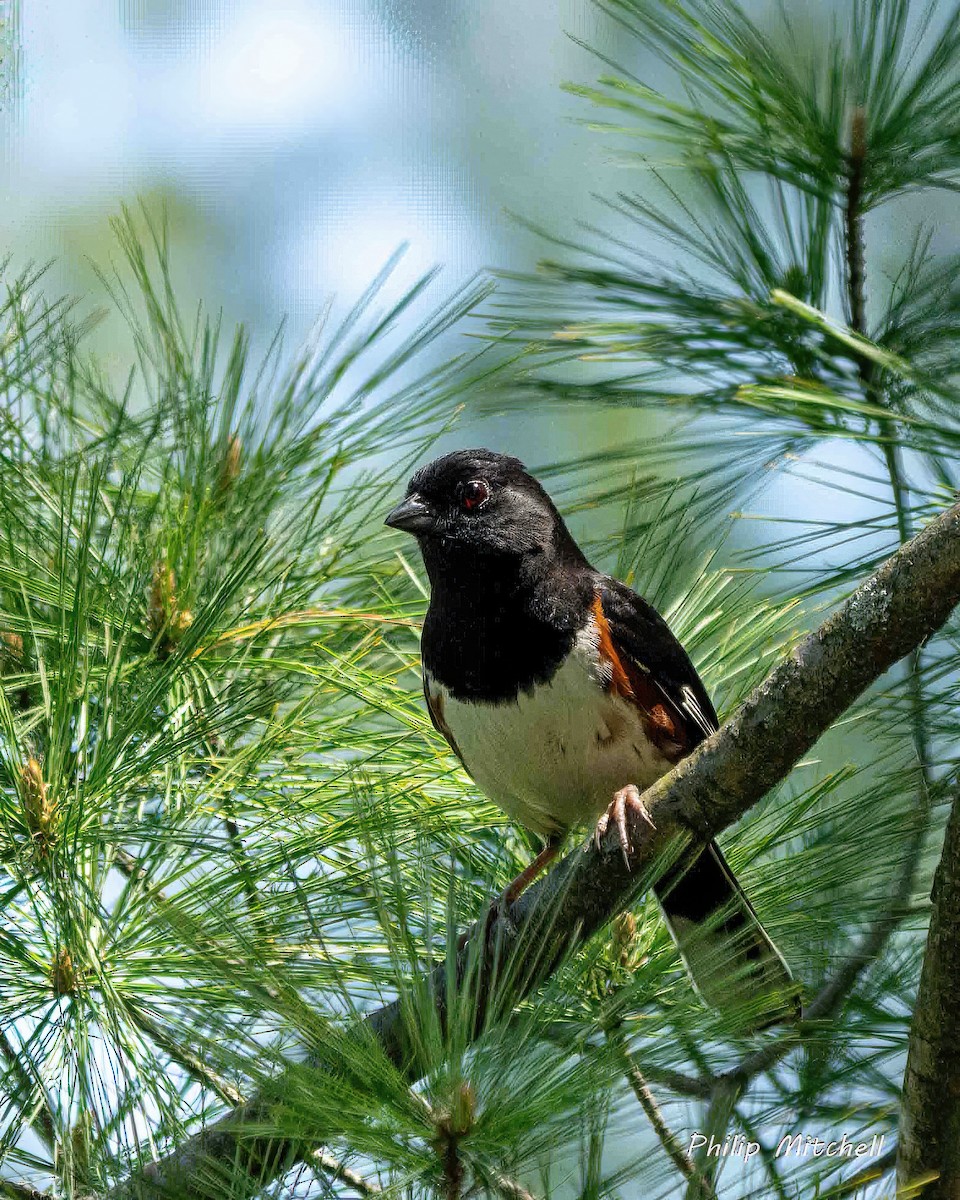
{"x": 627, "y": 798}
{"x": 549, "y": 852}
{"x": 500, "y": 907}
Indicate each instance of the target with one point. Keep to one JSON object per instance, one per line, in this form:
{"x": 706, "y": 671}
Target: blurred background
{"x": 294, "y": 145}
{"x": 297, "y": 143}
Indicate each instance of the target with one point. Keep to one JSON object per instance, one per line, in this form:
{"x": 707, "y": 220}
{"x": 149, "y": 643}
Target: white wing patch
{"x": 692, "y": 706}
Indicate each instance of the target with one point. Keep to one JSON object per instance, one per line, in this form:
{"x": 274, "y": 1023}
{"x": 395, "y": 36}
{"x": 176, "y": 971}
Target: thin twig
{"x": 42, "y": 1122}
{"x": 668, "y": 1139}
{"x": 205, "y": 698}
{"x": 129, "y": 866}
{"x": 766, "y": 1154}
{"x": 239, "y": 855}
{"x": 696, "y": 1087}
{"x": 333, "y": 1166}
{"x": 918, "y": 1152}
{"x": 507, "y": 1187}
{"x": 702, "y": 1184}
{"x": 832, "y": 994}
{"x": 853, "y": 214}
{"x": 183, "y": 1057}
{"x": 210, "y": 1078}
{"x": 856, "y": 297}
{"x": 929, "y": 1128}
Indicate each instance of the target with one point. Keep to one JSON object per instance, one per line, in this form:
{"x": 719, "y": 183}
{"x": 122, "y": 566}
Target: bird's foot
{"x": 499, "y": 912}
{"x": 627, "y": 798}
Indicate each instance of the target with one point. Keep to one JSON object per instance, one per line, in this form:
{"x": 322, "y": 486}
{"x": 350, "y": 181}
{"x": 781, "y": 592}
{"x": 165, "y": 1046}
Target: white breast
{"x": 554, "y": 757}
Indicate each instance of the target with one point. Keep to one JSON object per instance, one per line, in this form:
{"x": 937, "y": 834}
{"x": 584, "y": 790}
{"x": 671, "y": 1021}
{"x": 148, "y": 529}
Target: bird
{"x": 564, "y": 694}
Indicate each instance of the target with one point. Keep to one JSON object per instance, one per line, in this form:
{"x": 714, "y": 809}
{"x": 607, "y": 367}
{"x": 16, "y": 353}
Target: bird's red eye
{"x": 474, "y": 494}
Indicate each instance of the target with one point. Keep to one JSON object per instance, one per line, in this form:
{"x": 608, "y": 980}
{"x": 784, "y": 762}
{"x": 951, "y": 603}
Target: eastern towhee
{"x": 559, "y": 688}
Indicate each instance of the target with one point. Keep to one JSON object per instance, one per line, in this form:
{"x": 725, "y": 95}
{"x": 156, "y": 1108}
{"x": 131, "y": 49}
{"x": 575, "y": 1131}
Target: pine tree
{"x": 232, "y": 848}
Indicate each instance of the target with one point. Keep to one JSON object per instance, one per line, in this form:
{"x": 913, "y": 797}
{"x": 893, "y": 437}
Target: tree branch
{"x": 508, "y": 1188}
{"x": 931, "y": 1069}
{"x": 887, "y": 617}
{"x": 856, "y": 280}
{"x": 20, "y": 1191}
{"x": 329, "y": 1165}
{"x": 647, "y": 1101}
{"x": 767, "y": 1156}
{"x": 702, "y": 1183}
{"x": 853, "y": 223}
{"x": 182, "y": 1055}
{"x": 929, "y": 1139}
{"x": 42, "y": 1122}
{"x": 833, "y": 994}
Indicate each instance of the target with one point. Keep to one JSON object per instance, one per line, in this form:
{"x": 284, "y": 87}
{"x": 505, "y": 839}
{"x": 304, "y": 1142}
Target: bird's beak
{"x": 412, "y": 515}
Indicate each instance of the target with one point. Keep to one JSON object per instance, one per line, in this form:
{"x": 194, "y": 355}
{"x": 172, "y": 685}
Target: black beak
{"x": 411, "y": 515}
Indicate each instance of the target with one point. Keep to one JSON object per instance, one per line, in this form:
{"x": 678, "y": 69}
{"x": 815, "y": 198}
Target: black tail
{"x": 728, "y": 953}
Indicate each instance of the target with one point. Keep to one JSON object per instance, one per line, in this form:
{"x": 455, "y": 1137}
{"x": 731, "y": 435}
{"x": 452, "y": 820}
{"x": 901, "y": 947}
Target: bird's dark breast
{"x": 493, "y": 656}
{"x": 491, "y": 645}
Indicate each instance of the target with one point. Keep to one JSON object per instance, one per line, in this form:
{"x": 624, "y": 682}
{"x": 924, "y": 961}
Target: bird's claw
{"x": 627, "y": 798}
{"x": 498, "y": 911}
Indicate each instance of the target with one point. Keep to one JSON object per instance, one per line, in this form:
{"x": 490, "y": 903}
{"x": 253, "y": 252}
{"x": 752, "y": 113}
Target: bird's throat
{"x": 491, "y": 634}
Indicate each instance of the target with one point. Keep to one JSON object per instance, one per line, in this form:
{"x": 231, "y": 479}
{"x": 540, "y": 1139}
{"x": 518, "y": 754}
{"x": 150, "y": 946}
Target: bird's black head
{"x": 478, "y": 503}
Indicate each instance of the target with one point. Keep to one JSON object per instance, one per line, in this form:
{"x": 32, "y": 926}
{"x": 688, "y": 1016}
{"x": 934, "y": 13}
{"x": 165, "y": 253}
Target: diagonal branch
{"x": 702, "y": 1184}
{"x": 333, "y": 1166}
{"x": 508, "y": 1188}
{"x": 30, "y": 1094}
{"x": 668, "y": 1139}
{"x": 888, "y": 616}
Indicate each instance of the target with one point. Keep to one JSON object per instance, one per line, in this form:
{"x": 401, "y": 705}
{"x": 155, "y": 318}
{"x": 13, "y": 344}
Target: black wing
{"x": 727, "y": 950}
{"x": 648, "y": 648}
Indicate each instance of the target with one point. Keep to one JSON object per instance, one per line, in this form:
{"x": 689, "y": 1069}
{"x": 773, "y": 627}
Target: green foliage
{"x": 228, "y": 831}
{"x": 741, "y": 294}
{"x": 203, "y": 675}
